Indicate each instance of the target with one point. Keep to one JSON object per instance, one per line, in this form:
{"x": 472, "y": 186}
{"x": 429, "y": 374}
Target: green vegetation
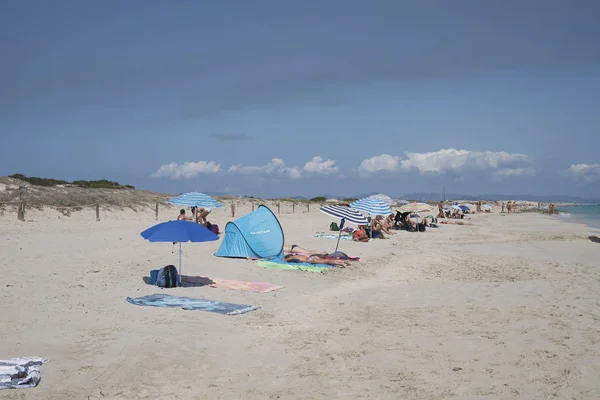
{"x": 101, "y": 184}
{"x": 319, "y": 199}
{"x": 349, "y": 200}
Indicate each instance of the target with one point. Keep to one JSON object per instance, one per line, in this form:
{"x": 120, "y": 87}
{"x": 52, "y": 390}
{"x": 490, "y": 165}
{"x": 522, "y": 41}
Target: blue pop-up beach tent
{"x": 257, "y": 235}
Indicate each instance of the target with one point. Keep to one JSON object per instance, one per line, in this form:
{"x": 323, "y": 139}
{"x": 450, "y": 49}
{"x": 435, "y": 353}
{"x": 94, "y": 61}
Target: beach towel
{"x": 20, "y": 373}
{"x": 256, "y": 287}
{"x": 332, "y": 236}
{"x": 290, "y": 266}
{"x": 189, "y": 303}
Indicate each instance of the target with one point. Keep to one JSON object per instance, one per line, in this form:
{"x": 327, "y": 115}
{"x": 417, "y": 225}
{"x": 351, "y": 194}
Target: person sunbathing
{"x": 295, "y": 249}
{"x": 360, "y": 234}
{"x": 390, "y": 221}
{"x": 380, "y": 226}
{"x": 454, "y": 222}
{"x": 314, "y": 259}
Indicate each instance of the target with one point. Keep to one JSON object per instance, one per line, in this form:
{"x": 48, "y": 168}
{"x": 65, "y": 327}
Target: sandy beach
{"x": 505, "y": 308}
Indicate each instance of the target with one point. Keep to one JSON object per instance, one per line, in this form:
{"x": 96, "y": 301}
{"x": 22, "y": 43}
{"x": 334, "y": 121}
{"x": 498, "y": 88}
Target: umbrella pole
{"x": 338, "y": 241}
{"x": 179, "y": 263}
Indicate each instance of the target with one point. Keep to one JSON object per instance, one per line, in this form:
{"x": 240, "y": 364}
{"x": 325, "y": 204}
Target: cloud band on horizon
{"x": 499, "y": 164}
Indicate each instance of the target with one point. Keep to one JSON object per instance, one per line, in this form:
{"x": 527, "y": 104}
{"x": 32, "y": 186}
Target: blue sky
{"x": 303, "y": 98}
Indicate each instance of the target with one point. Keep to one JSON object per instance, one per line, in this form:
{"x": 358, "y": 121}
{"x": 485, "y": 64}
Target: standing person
{"x": 502, "y": 208}
{"x": 441, "y": 210}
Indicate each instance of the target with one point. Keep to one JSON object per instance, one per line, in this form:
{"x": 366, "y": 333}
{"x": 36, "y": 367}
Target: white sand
{"x": 505, "y": 308}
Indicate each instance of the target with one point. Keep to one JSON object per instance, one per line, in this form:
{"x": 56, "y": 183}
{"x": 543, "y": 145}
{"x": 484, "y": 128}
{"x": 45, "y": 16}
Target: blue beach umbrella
{"x": 177, "y": 232}
{"x": 195, "y": 199}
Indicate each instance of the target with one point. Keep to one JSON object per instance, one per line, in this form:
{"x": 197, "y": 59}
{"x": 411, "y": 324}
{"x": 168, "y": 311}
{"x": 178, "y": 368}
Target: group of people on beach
{"x": 199, "y": 214}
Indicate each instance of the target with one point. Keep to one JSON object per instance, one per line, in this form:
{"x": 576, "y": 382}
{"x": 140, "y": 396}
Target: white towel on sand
{"x": 20, "y": 373}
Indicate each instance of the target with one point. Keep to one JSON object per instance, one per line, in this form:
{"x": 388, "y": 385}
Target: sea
{"x": 588, "y": 214}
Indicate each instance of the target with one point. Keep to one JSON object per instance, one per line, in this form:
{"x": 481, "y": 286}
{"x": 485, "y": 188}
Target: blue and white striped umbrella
{"x": 372, "y": 206}
{"x": 195, "y": 199}
{"x": 347, "y": 213}
{"x": 383, "y": 197}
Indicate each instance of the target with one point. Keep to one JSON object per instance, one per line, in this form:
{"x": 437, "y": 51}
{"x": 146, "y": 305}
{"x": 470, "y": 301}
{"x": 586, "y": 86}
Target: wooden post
{"x": 232, "y": 209}
{"x": 97, "y": 212}
{"x": 20, "y": 213}
{"x": 252, "y": 206}
{"x": 278, "y": 208}
{"x": 293, "y": 208}
{"x": 156, "y": 211}
{"x": 307, "y": 207}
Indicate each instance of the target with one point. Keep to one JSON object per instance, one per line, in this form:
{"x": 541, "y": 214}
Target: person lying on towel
{"x": 313, "y": 259}
{"x": 295, "y": 249}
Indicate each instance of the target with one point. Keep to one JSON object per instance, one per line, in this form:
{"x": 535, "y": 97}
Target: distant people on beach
{"x": 502, "y": 212}
{"x": 454, "y": 222}
{"x": 551, "y": 209}
{"x": 479, "y": 206}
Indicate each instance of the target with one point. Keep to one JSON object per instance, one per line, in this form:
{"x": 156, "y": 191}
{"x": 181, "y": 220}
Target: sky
{"x": 287, "y": 98}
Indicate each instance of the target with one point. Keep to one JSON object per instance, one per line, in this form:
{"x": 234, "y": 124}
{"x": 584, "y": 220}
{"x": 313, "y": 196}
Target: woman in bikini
{"x": 314, "y": 259}
{"x": 201, "y": 214}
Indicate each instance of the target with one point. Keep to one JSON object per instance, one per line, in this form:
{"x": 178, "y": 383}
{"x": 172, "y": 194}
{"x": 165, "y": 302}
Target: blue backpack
{"x": 167, "y": 277}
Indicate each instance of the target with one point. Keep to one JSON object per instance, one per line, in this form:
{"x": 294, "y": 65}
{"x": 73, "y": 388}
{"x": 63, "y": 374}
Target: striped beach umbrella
{"x": 346, "y": 213}
{"x": 415, "y": 207}
{"x": 383, "y": 197}
{"x": 372, "y": 206}
{"x": 195, "y": 199}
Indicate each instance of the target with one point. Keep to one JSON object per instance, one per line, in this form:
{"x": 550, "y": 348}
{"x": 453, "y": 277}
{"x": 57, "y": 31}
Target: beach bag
{"x": 167, "y": 277}
{"x": 214, "y": 228}
{"x": 334, "y": 227}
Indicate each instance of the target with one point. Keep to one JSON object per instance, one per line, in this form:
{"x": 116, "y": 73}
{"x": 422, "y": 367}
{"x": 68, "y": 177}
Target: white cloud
{"x": 320, "y": 167}
{"x": 187, "y": 170}
{"x": 584, "y": 172}
{"x": 505, "y": 172}
{"x": 445, "y": 160}
{"x": 382, "y": 162}
{"x": 277, "y": 167}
